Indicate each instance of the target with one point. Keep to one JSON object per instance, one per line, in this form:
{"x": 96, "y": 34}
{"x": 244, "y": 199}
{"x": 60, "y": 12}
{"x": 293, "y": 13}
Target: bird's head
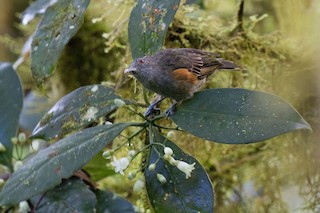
{"x": 139, "y": 67}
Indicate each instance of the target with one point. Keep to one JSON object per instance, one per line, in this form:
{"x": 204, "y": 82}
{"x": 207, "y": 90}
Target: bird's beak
{"x": 130, "y": 70}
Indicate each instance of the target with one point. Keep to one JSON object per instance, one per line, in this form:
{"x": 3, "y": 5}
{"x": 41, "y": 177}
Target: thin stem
{"x": 240, "y": 16}
{"x": 129, "y": 139}
{"x": 137, "y": 113}
{"x": 168, "y": 128}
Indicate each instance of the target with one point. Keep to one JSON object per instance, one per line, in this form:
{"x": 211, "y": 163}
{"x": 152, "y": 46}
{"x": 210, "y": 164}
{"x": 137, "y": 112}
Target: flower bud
{"x": 22, "y": 137}
{"x": 138, "y": 186}
{"x": 170, "y": 134}
{"x": 132, "y": 175}
{"x": 17, "y": 165}
{"x": 107, "y": 154}
{"x": 162, "y": 179}
{"x": 2, "y": 182}
{"x": 14, "y": 140}
{"x": 131, "y": 153}
{"x": 119, "y": 103}
{"x": 152, "y": 167}
{"x": 2, "y": 148}
{"x": 107, "y": 123}
{"x": 24, "y": 207}
{"x": 38, "y": 144}
{"x": 168, "y": 151}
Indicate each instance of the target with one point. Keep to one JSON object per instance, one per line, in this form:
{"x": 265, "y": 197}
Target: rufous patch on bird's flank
{"x": 185, "y": 75}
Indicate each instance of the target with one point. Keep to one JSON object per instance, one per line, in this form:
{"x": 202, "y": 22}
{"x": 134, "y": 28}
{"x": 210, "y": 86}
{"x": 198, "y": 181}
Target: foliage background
{"x": 280, "y": 54}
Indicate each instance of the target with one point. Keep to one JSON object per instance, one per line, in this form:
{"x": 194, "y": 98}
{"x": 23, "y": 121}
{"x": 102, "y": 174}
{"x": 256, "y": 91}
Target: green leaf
{"x": 98, "y": 169}
{"x": 11, "y": 97}
{"x": 194, "y": 194}
{"x": 36, "y": 7}
{"x": 71, "y": 196}
{"x": 76, "y": 110}
{"x": 59, "y": 24}
{"x": 110, "y": 202}
{"x": 49, "y": 166}
{"x": 237, "y": 116}
{"x": 148, "y": 24}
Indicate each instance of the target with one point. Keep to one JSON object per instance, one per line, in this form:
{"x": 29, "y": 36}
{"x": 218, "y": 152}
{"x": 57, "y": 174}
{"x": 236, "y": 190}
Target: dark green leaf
{"x": 183, "y": 195}
{"x": 148, "y": 24}
{"x": 76, "y": 110}
{"x": 237, "y": 116}
{"x": 71, "y": 196}
{"x": 47, "y": 168}
{"x": 34, "y": 108}
{"x": 59, "y": 24}
{"x": 98, "y": 169}
{"x": 10, "y": 107}
{"x": 36, "y": 7}
{"x": 110, "y": 202}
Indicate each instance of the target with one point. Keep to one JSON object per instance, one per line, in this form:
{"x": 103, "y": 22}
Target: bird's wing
{"x": 199, "y": 63}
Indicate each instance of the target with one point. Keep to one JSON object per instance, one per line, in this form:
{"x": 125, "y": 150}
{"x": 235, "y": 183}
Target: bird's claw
{"x": 171, "y": 111}
{"x": 152, "y": 110}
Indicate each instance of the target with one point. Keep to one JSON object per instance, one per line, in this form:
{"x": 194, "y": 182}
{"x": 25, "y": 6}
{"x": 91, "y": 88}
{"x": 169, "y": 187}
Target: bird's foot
{"x": 152, "y": 111}
{"x": 171, "y": 110}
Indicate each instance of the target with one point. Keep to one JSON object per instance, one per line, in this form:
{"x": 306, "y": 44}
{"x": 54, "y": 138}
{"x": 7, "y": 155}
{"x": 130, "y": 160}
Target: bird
{"x": 176, "y": 73}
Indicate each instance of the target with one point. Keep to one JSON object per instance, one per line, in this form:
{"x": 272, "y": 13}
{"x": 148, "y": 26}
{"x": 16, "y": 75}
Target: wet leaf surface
{"x": 11, "y": 97}
{"x": 49, "y": 166}
{"x": 110, "y": 202}
{"x": 73, "y": 195}
{"x": 59, "y": 24}
{"x": 194, "y": 194}
{"x": 237, "y": 116}
{"x": 76, "y": 110}
{"x": 148, "y": 24}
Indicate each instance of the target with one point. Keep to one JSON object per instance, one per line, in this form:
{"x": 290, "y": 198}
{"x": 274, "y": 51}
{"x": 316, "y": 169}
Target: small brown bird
{"x": 176, "y": 74}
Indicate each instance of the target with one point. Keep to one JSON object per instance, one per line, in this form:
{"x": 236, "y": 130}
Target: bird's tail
{"x": 227, "y": 64}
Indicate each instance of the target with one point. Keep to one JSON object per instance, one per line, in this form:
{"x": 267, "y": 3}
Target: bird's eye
{"x": 141, "y": 61}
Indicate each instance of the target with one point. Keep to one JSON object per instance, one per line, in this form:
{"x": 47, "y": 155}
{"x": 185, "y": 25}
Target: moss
{"x": 84, "y": 60}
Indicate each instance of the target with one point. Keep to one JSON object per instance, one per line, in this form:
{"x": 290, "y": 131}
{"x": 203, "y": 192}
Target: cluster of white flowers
{"x": 181, "y": 165}
{"x": 122, "y": 164}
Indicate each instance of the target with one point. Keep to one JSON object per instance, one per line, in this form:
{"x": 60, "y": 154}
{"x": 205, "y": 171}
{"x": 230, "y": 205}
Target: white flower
{"x": 173, "y": 161}
{"x": 2, "y": 148}
{"x": 167, "y": 151}
{"x": 24, "y": 207}
{"x": 119, "y": 103}
{"x": 162, "y": 179}
{"x": 120, "y": 164}
{"x": 185, "y": 167}
{"x": 152, "y": 167}
{"x": 138, "y": 186}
